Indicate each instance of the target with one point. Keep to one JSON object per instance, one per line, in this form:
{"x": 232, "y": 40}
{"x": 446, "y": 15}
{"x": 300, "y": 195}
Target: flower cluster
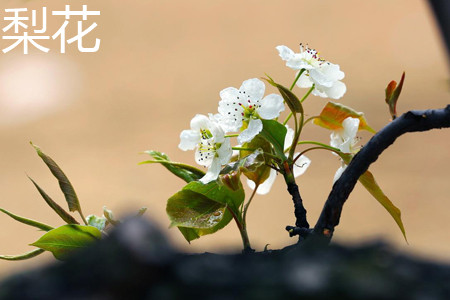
{"x": 239, "y": 110}
{"x": 315, "y": 71}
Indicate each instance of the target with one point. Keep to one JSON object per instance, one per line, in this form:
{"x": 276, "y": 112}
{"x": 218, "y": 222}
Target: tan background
{"x": 161, "y": 62}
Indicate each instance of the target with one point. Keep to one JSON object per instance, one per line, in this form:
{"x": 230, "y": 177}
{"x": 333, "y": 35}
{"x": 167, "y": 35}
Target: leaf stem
{"x": 242, "y": 231}
{"x": 307, "y": 93}
{"x": 243, "y": 148}
{"x": 232, "y": 135}
{"x": 244, "y": 213}
{"x": 297, "y": 78}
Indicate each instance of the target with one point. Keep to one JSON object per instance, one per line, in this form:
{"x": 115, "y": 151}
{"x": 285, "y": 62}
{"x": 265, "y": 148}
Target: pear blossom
{"x": 324, "y": 75}
{"x": 243, "y": 109}
{"x": 212, "y": 148}
{"x": 345, "y": 140}
{"x": 299, "y": 167}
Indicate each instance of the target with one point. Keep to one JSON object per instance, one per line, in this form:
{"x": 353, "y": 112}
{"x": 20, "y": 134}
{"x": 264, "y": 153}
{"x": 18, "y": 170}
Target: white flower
{"x": 345, "y": 140}
{"x": 299, "y": 168}
{"x": 212, "y": 149}
{"x": 324, "y": 75}
{"x": 244, "y": 108}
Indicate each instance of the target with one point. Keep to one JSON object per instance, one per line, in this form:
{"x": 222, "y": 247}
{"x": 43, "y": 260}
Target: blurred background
{"x": 161, "y": 62}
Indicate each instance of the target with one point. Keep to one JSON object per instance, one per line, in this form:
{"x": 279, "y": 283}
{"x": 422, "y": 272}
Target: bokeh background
{"x": 161, "y": 62}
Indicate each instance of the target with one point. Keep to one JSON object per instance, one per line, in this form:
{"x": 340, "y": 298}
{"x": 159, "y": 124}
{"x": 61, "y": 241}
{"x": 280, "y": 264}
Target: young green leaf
{"x": 24, "y": 256}
{"x": 392, "y": 93}
{"x": 67, "y": 239}
{"x": 275, "y": 134}
{"x": 186, "y": 172}
{"x": 333, "y": 114}
{"x": 289, "y": 97}
{"x": 96, "y": 221}
{"x": 193, "y": 210}
{"x": 217, "y": 192}
{"x": 26, "y": 221}
{"x": 141, "y": 211}
{"x": 191, "y": 234}
{"x": 64, "y": 183}
{"x": 368, "y": 181}
{"x": 58, "y": 209}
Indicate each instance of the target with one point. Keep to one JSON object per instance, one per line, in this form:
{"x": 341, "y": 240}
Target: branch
{"x": 412, "y": 121}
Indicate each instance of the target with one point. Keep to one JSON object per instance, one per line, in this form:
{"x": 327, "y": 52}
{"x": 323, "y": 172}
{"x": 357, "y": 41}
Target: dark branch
{"x": 412, "y": 121}
{"x": 299, "y": 209}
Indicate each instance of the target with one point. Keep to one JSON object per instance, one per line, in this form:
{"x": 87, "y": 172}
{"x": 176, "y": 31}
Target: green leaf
{"x": 200, "y": 209}
{"x": 368, "y": 181}
{"x": 254, "y": 164}
{"x": 193, "y": 210}
{"x": 289, "y": 97}
{"x": 191, "y": 234}
{"x": 333, "y": 114}
{"x": 186, "y": 172}
{"x": 58, "y": 209}
{"x": 64, "y": 183}
{"x": 67, "y": 239}
{"x": 141, "y": 211}
{"x": 392, "y": 93}
{"x": 218, "y": 192}
{"x": 24, "y": 256}
{"x": 97, "y": 222}
{"x": 275, "y": 134}
{"x": 26, "y": 221}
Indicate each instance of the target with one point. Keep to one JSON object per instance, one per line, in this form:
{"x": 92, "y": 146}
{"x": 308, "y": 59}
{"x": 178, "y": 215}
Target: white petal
{"x": 199, "y": 122}
{"x": 204, "y": 154}
{"x": 289, "y": 138}
{"x": 254, "y": 88}
{"x": 351, "y": 126}
{"x": 229, "y": 94}
{"x": 189, "y": 139}
{"x": 304, "y": 81}
{"x": 213, "y": 172}
{"x": 319, "y": 78}
{"x": 231, "y": 115}
{"x": 271, "y": 106}
{"x": 254, "y": 127}
{"x": 339, "y": 172}
{"x": 264, "y": 187}
{"x": 336, "y": 91}
{"x": 225, "y": 152}
{"x": 285, "y": 52}
{"x": 301, "y": 165}
{"x": 332, "y": 71}
{"x": 217, "y": 132}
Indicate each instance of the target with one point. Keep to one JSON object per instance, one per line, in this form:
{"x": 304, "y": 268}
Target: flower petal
{"x": 199, "y": 122}
{"x": 339, "y": 172}
{"x": 351, "y": 126}
{"x": 254, "y": 127}
{"x": 285, "y": 52}
{"x": 304, "y": 81}
{"x": 301, "y": 165}
{"x": 264, "y": 187}
{"x": 205, "y": 153}
{"x": 289, "y": 138}
{"x": 253, "y": 88}
{"x": 213, "y": 172}
{"x": 229, "y": 94}
{"x": 225, "y": 152}
{"x": 271, "y": 106}
{"x": 189, "y": 139}
{"x": 230, "y": 115}
{"x": 336, "y": 91}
